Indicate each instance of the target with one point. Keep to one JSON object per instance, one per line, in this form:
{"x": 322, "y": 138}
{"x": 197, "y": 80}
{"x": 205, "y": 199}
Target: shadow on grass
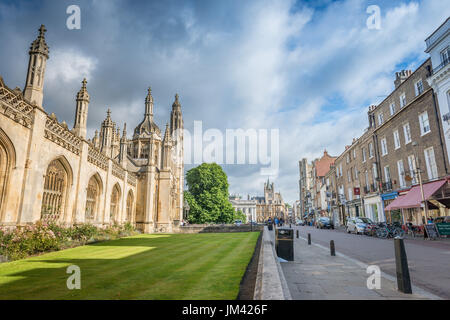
{"x": 154, "y": 265}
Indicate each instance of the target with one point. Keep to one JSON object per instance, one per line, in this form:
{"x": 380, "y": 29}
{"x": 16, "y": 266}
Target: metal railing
{"x": 441, "y": 66}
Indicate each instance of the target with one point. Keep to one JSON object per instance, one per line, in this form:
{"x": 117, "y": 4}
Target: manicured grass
{"x": 157, "y": 266}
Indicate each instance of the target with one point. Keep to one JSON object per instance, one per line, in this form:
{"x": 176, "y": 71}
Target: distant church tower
{"x": 34, "y": 87}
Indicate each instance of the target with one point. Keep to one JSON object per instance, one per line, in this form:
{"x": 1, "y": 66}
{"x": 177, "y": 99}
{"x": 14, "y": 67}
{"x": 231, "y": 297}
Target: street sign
{"x": 356, "y": 191}
{"x": 443, "y": 228}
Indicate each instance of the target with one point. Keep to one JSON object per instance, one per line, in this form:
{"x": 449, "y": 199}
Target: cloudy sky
{"x": 307, "y": 68}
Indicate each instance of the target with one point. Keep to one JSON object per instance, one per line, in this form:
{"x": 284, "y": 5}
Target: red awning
{"x": 413, "y": 198}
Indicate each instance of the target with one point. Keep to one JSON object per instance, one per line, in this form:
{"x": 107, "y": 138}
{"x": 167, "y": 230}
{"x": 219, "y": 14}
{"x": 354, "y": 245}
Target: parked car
{"x": 442, "y": 219}
{"x": 371, "y": 229}
{"x": 300, "y": 222}
{"x": 358, "y": 224}
{"x": 238, "y": 222}
{"x": 324, "y": 222}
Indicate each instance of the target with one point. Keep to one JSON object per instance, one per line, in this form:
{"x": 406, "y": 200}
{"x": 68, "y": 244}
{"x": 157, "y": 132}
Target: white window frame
{"x": 370, "y": 150}
{"x": 387, "y": 174}
{"x": 412, "y": 167}
{"x": 348, "y": 176}
{"x": 380, "y": 118}
{"x": 431, "y": 163}
{"x": 397, "y": 143}
{"x": 423, "y": 127}
{"x": 402, "y": 100}
{"x": 445, "y": 55}
{"x": 392, "y": 108}
{"x": 418, "y": 89}
{"x": 348, "y": 157}
{"x": 384, "y": 149}
{"x": 407, "y": 133}
{"x": 354, "y": 153}
{"x": 363, "y": 154}
{"x": 401, "y": 173}
{"x": 367, "y": 179}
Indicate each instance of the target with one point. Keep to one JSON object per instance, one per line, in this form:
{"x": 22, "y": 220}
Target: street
{"x": 429, "y": 261}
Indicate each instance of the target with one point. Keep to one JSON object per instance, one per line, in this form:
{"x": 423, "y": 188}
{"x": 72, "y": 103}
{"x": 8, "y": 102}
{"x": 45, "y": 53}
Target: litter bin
{"x": 284, "y": 244}
{"x": 270, "y": 226}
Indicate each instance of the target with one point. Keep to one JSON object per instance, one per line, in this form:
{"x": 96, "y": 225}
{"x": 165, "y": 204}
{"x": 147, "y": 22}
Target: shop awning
{"x": 413, "y": 198}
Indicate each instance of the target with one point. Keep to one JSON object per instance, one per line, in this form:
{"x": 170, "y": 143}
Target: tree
{"x": 207, "y": 195}
{"x": 239, "y": 215}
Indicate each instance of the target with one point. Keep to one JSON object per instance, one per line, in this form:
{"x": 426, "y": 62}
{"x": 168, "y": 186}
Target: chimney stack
{"x": 401, "y": 76}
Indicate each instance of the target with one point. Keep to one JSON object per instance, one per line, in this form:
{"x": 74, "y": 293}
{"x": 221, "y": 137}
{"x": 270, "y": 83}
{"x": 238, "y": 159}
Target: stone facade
{"x": 49, "y": 172}
{"x": 246, "y": 206}
{"x": 438, "y": 46}
{"x": 271, "y": 205}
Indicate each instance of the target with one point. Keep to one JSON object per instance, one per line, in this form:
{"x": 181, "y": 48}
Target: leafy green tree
{"x": 207, "y": 195}
{"x": 239, "y": 215}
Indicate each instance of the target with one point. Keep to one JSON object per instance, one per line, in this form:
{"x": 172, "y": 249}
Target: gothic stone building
{"x": 271, "y": 205}
{"x": 49, "y": 172}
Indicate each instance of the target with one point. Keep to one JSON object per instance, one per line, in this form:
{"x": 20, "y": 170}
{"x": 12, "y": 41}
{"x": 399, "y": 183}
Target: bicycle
{"x": 385, "y": 231}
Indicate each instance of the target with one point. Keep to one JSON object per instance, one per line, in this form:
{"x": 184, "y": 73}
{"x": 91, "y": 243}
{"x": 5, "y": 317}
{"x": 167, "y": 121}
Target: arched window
{"x": 114, "y": 207}
{"x": 92, "y": 198}
{"x": 55, "y": 187}
{"x": 129, "y": 206}
{"x": 7, "y": 162}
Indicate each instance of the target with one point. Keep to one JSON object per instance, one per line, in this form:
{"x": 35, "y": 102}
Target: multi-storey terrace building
{"x": 320, "y": 167}
{"x": 438, "y": 46}
{"x": 304, "y": 185}
{"x": 409, "y": 137}
{"x": 403, "y": 144}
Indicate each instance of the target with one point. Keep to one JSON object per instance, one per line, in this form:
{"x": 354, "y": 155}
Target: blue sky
{"x": 308, "y": 68}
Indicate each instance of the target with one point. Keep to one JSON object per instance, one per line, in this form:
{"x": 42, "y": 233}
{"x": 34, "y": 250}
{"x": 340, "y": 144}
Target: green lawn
{"x": 157, "y": 266}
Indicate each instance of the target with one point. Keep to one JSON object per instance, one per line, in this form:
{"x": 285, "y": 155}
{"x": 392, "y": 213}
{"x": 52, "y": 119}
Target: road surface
{"x": 429, "y": 261}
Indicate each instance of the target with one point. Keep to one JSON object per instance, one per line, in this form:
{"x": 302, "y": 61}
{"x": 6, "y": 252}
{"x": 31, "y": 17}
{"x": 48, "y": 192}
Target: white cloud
{"x": 67, "y": 65}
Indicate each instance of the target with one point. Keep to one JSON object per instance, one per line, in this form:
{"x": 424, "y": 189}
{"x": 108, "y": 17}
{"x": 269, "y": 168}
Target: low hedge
{"x": 41, "y": 237}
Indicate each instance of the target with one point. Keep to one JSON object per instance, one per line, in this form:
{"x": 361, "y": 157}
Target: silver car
{"x": 357, "y": 224}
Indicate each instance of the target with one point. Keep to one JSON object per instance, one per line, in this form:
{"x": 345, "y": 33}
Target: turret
{"x": 167, "y": 147}
{"x": 123, "y": 147}
{"x": 34, "y": 86}
{"x": 106, "y": 134}
{"x": 176, "y": 117}
{"x": 81, "y": 111}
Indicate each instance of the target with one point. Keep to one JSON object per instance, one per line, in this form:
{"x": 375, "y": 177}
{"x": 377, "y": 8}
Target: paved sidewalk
{"x": 315, "y": 275}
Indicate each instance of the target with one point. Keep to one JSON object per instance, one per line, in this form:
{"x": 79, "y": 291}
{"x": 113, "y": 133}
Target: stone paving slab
{"x": 315, "y": 275}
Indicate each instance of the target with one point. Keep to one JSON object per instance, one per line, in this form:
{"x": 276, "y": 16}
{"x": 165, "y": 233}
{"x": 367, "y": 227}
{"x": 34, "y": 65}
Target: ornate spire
{"x": 149, "y": 103}
{"x": 83, "y": 94}
{"x": 108, "y": 122}
{"x": 167, "y": 133}
{"x": 176, "y": 104}
{"x": 39, "y": 45}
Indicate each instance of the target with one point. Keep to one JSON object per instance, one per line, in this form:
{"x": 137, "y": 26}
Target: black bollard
{"x": 290, "y": 225}
{"x": 297, "y": 234}
{"x": 401, "y": 264}
{"x": 309, "y": 238}
{"x": 332, "y": 250}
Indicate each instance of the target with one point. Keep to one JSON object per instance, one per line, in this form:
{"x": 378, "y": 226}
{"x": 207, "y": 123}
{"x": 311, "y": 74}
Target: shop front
{"x": 374, "y": 208}
{"x": 409, "y": 207}
{"x": 387, "y": 199}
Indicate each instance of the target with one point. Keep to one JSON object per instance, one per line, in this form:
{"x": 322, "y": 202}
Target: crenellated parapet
{"x": 59, "y": 134}
{"x": 14, "y": 107}
{"x": 97, "y": 158}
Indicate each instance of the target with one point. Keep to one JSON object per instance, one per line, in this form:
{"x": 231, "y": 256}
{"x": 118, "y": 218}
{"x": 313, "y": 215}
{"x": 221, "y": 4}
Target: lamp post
{"x": 418, "y": 170}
